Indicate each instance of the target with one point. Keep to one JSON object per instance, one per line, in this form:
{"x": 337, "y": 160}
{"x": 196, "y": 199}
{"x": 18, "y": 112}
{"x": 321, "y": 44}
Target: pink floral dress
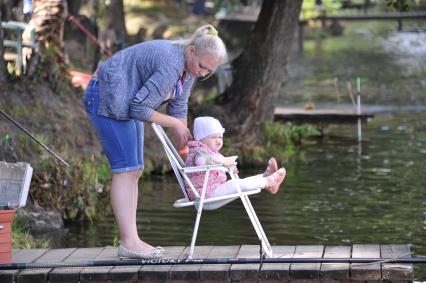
{"x": 201, "y": 154}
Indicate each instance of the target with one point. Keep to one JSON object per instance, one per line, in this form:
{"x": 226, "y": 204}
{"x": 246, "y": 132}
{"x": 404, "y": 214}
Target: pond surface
{"x": 333, "y": 195}
{"x": 338, "y": 191}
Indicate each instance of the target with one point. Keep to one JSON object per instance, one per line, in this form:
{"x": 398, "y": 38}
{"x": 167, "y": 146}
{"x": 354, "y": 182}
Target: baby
{"x": 204, "y": 150}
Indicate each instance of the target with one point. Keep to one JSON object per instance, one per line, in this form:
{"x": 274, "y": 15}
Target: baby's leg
{"x": 246, "y": 184}
{"x": 252, "y": 183}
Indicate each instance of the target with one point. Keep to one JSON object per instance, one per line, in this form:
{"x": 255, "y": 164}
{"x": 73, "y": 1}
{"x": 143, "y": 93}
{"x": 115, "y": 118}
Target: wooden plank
{"x": 218, "y": 272}
{"x": 318, "y": 115}
{"x": 21, "y": 255}
{"x": 7, "y": 276}
{"x": 9, "y": 56}
{"x": 368, "y": 17}
{"x": 335, "y": 271}
{"x": 279, "y": 272}
{"x": 191, "y": 272}
{"x": 124, "y": 273}
{"x": 306, "y": 270}
{"x": 246, "y": 272}
{"x": 160, "y": 273}
{"x": 366, "y": 271}
{"x": 40, "y": 275}
{"x": 72, "y": 274}
{"x": 396, "y": 271}
{"x": 99, "y": 273}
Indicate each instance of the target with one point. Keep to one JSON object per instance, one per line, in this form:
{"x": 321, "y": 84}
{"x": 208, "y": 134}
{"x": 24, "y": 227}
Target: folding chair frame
{"x": 200, "y": 202}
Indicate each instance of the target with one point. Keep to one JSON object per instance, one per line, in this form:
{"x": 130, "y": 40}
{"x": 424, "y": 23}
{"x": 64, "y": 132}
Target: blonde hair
{"x": 206, "y": 40}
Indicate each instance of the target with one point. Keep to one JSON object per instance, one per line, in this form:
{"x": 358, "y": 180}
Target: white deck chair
{"x": 200, "y": 202}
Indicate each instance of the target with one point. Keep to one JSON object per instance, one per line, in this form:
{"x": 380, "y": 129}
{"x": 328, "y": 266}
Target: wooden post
{"x": 399, "y": 24}
{"x": 300, "y": 35}
{"x": 358, "y": 99}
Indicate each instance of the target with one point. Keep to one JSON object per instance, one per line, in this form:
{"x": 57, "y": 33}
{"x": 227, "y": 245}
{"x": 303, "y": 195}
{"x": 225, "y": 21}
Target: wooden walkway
{"x": 251, "y": 18}
{"x": 300, "y": 115}
{"x": 271, "y": 272}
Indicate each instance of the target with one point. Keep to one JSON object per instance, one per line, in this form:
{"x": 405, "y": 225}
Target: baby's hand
{"x": 229, "y": 161}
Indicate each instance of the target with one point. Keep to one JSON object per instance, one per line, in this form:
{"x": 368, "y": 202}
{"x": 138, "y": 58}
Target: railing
{"x": 18, "y": 43}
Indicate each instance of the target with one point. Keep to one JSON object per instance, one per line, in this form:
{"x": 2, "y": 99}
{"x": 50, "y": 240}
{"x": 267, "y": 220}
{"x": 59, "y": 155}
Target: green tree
{"x": 399, "y": 5}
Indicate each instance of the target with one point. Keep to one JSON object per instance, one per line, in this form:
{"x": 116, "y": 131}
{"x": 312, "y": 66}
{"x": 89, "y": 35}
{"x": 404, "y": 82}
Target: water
{"x": 333, "y": 195}
{"x": 391, "y": 65}
{"x": 338, "y": 191}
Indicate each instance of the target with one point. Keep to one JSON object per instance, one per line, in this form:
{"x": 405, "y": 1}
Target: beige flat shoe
{"x": 155, "y": 253}
{"x": 160, "y": 249}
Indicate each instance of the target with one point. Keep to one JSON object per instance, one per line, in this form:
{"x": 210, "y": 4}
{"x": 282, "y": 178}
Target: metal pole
{"x": 358, "y": 98}
{"x": 89, "y": 35}
{"x": 129, "y": 262}
{"x": 34, "y": 138}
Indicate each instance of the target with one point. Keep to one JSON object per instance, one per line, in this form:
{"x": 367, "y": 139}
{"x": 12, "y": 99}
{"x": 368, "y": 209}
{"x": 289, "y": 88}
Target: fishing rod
{"x": 128, "y": 262}
{"x": 34, "y": 138}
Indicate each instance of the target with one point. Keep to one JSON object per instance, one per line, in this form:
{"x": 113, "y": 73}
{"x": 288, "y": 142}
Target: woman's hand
{"x": 182, "y": 135}
{"x": 180, "y": 130}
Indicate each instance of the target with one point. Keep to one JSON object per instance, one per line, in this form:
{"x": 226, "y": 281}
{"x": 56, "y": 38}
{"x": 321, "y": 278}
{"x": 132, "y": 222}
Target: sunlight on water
{"x": 406, "y": 43}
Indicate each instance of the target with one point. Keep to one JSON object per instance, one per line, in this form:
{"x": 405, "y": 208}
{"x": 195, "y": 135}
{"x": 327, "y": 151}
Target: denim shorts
{"x": 122, "y": 140}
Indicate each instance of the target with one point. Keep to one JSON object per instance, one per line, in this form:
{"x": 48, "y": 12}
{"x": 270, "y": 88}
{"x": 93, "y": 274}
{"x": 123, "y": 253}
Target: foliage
{"x": 280, "y": 140}
{"x": 399, "y": 5}
{"x": 11, "y": 69}
{"x": 116, "y": 242}
{"x": 22, "y": 239}
{"x": 28, "y": 144}
{"x": 78, "y": 192}
{"x": 51, "y": 69}
{"x": 311, "y": 10}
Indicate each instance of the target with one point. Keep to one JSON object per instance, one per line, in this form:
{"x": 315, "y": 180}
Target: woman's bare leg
{"x": 135, "y": 209}
{"x": 124, "y": 198}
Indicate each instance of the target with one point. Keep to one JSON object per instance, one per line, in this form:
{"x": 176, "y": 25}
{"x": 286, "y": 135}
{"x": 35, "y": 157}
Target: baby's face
{"x": 214, "y": 141}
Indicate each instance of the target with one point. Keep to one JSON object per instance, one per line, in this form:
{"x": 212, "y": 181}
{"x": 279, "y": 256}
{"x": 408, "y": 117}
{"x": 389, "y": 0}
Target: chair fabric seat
{"x": 215, "y": 202}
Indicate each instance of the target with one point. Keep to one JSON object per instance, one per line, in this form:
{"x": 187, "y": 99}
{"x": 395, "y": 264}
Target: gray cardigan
{"x": 135, "y": 81}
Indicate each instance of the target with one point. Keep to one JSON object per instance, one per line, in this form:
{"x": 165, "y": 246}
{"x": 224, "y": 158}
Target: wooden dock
{"x": 271, "y": 272}
{"x": 320, "y": 116}
{"x": 252, "y": 18}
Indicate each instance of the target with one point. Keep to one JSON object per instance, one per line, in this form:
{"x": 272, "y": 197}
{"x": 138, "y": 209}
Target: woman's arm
{"x": 179, "y": 126}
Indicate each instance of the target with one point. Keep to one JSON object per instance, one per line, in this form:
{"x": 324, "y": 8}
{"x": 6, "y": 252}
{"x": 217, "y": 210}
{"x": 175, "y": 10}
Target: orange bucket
{"x": 6, "y": 219}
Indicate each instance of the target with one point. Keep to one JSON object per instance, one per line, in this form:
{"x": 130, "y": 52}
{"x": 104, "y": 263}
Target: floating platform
{"x": 267, "y": 272}
{"x": 328, "y": 116}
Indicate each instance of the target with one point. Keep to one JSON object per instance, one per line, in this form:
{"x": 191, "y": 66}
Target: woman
{"x": 125, "y": 92}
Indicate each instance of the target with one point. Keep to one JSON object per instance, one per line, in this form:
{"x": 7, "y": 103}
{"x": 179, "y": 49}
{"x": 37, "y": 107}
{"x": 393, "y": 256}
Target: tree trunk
{"x": 117, "y": 26}
{"x": 73, "y": 6}
{"x": 3, "y": 71}
{"x": 259, "y": 70}
{"x": 48, "y": 19}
